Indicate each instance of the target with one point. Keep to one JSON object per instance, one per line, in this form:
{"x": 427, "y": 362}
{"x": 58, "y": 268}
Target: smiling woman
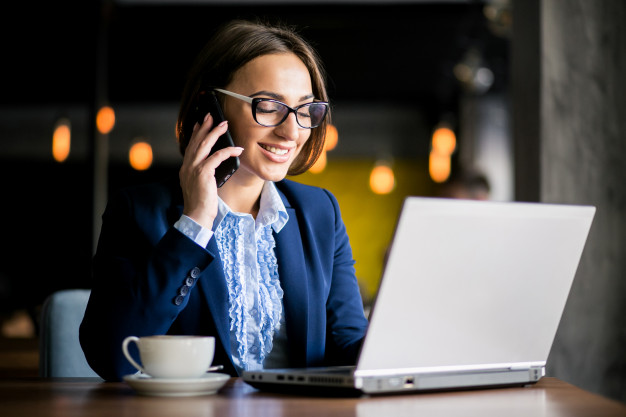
{"x": 261, "y": 263}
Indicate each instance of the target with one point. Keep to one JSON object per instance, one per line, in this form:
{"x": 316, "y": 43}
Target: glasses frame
{"x": 254, "y": 101}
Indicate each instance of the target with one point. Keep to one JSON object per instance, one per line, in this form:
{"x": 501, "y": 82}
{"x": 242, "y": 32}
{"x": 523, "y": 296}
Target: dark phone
{"x": 208, "y": 103}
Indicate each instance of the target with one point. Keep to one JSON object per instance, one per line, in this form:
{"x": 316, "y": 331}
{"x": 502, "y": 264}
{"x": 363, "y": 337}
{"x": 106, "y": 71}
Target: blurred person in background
{"x": 466, "y": 183}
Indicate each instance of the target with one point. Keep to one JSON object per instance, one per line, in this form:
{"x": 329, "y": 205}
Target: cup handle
{"x": 125, "y": 344}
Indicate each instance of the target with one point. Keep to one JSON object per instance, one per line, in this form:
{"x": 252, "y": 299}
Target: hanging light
{"x": 61, "y": 140}
{"x": 443, "y": 145}
{"x": 320, "y": 164}
{"x": 140, "y": 155}
{"x": 382, "y": 178}
{"x": 500, "y": 17}
{"x": 444, "y": 140}
{"x": 473, "y": 74}
{"x": 105, "y": 119}
{"x": 332, "y": 137}
{"x": 439, "y": 166}
{"x": 330, "y": 141}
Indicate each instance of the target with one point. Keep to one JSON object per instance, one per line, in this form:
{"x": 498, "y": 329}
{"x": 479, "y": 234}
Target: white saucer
{"x": 176, "y": 387}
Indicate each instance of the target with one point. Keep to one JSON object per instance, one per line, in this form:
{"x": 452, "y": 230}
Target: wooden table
{"x": 66, "y": 397}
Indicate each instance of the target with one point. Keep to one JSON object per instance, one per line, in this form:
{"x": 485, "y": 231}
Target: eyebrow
{"x": 278, "y": 96}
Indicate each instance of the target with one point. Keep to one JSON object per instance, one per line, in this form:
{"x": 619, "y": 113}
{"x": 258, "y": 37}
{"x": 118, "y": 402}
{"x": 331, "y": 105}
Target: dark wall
{"x": 525, "y": 90}
{"x": 46, "y": 233}
{"x": 46, "y": 246}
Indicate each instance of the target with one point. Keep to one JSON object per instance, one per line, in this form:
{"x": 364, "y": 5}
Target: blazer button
{"x": 179, "y": 300}
{"x": 195, "y": 272}
{"x": 184, "y": 290}
{"x": 189, "y": 281}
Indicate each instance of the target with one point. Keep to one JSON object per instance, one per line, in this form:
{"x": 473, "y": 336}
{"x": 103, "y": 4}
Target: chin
{"x": 275, "y": 173}
{"x": 274, "y": 177}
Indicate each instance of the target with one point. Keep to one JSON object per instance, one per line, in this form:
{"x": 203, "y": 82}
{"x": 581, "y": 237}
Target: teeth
{"x": 275, "y": 150}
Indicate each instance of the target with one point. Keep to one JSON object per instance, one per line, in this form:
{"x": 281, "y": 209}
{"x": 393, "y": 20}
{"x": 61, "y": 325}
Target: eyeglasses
{"x": 270, "y": 113}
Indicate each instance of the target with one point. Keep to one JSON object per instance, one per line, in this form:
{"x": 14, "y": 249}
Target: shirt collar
{"x": 272, "y": 210}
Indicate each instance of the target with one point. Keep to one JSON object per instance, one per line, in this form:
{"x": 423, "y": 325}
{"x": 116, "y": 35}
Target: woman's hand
{"x": 197, "y": 173}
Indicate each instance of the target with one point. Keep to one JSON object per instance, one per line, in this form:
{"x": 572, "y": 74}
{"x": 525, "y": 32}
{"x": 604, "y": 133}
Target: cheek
{"x": 240, "y": 124}
{"x": 303, "y": 138}
{"x": 241, "y": 132}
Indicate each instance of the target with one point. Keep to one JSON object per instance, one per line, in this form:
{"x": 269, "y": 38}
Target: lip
{"x": 274, "y": 157}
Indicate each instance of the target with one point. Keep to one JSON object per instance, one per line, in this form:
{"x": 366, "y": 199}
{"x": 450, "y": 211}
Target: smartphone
{"x": 208, "y": 103}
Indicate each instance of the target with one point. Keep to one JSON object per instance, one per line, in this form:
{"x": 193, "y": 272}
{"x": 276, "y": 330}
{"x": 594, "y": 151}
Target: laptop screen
{"x": 472, "y": 285}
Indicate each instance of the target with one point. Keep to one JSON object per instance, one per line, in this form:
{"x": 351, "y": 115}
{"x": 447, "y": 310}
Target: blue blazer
{"x": 142, "y": 264}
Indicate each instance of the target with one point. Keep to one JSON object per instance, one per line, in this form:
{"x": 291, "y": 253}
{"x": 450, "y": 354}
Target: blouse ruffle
{"x": 230, "y": 239}
{"x": 270, "y": 292}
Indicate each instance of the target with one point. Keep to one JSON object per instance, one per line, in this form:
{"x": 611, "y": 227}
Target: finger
{"x": 197, "y": 135}
{"x": 220, "y": 156}
{"x": 208, "y": 141}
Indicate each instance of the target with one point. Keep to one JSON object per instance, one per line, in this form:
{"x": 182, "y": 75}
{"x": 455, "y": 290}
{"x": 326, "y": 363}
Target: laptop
{"x": 471, "y": 296}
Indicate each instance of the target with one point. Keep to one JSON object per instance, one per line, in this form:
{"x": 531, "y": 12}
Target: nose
{"x": 289, "y": 129}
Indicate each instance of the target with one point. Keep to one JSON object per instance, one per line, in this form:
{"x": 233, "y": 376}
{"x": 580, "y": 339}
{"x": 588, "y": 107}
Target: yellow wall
{"x": 370, "y": 218}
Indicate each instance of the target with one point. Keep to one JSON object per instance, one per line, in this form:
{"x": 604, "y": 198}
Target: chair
{"x": 60, "y": 353}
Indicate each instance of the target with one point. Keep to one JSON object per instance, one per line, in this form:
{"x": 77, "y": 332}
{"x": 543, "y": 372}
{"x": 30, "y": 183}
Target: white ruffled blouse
{"x": 256, "y": 314}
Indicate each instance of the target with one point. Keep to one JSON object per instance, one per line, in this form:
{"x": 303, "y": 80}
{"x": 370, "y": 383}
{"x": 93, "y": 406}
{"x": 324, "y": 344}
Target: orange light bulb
{"x": 444, "y": 140}
{"x": 331, "y": 138}
{"x": 61, "y": 140}
{"x": 320, "y": 164}
{"x": 105, "y": 120}
{"x": 140, "y": 156}
{"x": 382, "y": 179}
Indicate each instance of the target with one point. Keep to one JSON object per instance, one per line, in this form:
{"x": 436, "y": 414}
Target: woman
{"x": 262, "y": 263}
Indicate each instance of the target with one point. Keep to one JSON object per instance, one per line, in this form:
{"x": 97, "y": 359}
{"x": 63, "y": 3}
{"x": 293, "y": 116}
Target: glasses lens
{"x": 270, "y": 113}
{"x": 312, "y": 115}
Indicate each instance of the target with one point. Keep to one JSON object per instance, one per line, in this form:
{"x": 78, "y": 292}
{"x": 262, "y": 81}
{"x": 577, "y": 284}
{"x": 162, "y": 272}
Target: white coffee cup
{"x": 170, "y": 356}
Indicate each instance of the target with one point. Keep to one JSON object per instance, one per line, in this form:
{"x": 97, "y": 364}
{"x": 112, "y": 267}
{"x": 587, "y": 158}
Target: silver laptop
{"x": 471, "y": 296}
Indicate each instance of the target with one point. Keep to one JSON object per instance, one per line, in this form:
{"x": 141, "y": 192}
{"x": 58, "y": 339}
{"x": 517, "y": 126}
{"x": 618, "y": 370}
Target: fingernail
{"x": 207, "y": 116}
{"x": 224, "y": 123}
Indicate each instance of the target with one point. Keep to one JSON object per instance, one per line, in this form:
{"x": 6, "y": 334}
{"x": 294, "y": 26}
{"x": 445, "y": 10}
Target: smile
{"x": 276, "y": 151}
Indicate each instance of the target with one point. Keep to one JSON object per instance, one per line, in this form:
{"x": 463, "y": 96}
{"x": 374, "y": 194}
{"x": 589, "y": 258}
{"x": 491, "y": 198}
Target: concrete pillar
{"x": 583, "y": 161}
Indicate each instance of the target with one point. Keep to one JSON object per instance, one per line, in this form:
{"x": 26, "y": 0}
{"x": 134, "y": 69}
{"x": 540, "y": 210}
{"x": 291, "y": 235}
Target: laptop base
{"x": 333, "y": 381}
{"x": 322, "y": 382}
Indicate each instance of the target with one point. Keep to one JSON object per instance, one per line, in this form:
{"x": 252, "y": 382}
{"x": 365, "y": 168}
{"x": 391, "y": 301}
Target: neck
{"x": 242, "y": 198}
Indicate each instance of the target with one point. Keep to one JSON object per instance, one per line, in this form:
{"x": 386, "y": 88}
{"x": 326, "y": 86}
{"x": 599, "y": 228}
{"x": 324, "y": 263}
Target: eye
{"x": 304, "y": 113}
{"x": 268, "y": 107}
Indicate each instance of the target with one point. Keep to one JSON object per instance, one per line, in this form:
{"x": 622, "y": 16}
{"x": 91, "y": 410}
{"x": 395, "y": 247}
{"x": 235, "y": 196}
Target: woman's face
{"x": 268, "y": 151}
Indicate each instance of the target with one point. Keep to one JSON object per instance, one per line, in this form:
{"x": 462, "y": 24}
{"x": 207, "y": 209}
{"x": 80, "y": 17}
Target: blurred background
{"x": 511, "y": 100}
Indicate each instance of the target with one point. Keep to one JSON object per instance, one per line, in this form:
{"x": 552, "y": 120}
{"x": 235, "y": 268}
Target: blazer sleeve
{"x": 139, "y": 268}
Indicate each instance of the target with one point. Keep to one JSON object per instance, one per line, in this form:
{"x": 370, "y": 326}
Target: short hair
{"x": 234, "y": 45}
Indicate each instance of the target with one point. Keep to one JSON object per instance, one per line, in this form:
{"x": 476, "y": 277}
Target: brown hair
{"x": 234, "y": 45}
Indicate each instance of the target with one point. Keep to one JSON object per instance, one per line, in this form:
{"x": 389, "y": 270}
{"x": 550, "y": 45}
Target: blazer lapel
{"x": 293, "y": 279}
